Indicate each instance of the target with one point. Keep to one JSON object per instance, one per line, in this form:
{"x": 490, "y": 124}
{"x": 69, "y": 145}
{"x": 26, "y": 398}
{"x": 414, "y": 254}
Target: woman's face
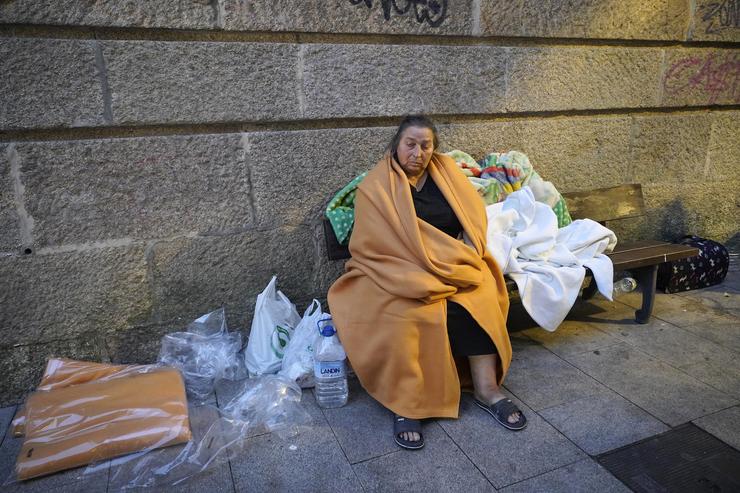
{"x": 415, "y": 150}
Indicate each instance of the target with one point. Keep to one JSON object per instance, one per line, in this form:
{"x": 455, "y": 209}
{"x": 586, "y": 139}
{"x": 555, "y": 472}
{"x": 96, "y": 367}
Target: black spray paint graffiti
{"x": 433, "y": 12}
{"x": 721, "y": 15}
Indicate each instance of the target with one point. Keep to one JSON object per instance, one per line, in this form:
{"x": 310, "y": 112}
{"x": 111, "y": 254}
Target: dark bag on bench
{"x": 706, "y": 269}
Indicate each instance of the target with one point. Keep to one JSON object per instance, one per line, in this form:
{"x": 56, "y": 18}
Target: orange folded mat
{"x": 72, "y": 426}
{"x": 63, "y": 372}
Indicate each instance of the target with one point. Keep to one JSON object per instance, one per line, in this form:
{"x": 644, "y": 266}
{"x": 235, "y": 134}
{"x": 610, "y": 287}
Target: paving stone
{"x": 439, "y": 466}
{"x": 6, "y": 416}
{"x": 684, "y": 311}
{"x": 353, "y": 80}
{"x": 601, "y": 423}
{"x": 725, "y": 425}
{"x": 700, "y": 76}
{"x": 9, "y": 221}
{"x": 719, "y": 371}
{"x": 194, "y": 276}
{"x": 140, "y": 188}
{"x": 192, "y": 82}
{"x": 135, "y": 13}
{"x": 715, "y": 21}
{"x": 665, "y": 392}
{"x": 59, "y": 296}
{"x": 49, "y": 83}
{"x": 589, "y": 143}
{"x": 630, "y": 19}
{"x": 569, "y": 78}
{"x": 314, "y": 165}
{"x": 541, "y": 379}
{"x": 364, "y": 427}
{"x": 310, "y": 461}
{"x": 340, "y": 16}
{"x": 584, "y": 476}
{"x": 507, "y": 457}
{"x": 664, "y": 149}
{"x": 722, "y": 298}
{"x": 676, "y": 346}
{"x": 572, "y": 337}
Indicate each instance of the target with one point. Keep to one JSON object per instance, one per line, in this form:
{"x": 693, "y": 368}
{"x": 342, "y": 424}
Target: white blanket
{"x": 547, "y": 264}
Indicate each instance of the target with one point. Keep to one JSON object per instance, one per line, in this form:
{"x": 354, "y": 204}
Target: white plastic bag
{"x": 275, "y": 319}
{"x": 299, "y": 355}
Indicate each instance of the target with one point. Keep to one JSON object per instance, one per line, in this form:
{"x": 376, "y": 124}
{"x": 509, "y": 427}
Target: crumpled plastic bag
{"x": 299, "y": 355}
{"x": 270, "y": 403}
{"x": 204, "y": 353}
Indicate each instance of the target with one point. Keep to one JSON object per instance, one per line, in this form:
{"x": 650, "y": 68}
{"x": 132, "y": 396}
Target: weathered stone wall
{"x": 161, "y": 159}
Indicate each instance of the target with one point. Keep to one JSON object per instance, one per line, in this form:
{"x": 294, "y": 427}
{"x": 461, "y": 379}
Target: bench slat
{"x": 650, "y": 256}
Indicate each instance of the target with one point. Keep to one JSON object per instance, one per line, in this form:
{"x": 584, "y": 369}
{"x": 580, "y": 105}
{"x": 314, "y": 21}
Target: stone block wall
{"x": 161, "y": 159}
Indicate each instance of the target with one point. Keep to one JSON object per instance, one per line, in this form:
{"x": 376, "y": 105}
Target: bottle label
{"x": 329, "y": 369}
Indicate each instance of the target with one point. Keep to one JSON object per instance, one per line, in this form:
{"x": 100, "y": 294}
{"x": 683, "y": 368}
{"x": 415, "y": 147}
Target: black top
{"x": 432, "y": 207}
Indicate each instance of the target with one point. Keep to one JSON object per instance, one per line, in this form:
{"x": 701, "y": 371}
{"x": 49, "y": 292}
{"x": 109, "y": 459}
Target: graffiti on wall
{"x": 721, "y": 15}
{"x": 711, "y": 76}
{"x": 432, "y": 12}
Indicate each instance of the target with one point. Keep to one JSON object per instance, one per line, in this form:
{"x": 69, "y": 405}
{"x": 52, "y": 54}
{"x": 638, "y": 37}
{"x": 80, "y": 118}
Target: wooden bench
{"x": 605, "y": 204}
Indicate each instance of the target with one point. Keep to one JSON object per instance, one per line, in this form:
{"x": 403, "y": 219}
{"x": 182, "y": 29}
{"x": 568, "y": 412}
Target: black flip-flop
{"x": 406, "y": 425}
{"x": 501, "y": 410}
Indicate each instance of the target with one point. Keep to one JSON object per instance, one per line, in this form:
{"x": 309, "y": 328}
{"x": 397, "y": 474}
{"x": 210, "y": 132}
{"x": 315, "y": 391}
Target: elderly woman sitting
{"x": 421, "y": 297}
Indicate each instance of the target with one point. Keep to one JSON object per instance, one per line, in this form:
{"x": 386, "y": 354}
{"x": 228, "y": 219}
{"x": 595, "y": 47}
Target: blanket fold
{"x": 547, "y": 263}
{"x": 390, "y": 306}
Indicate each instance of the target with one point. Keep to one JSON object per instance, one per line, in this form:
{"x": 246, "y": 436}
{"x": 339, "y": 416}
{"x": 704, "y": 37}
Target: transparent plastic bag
{"x": 299, "y": 355}
{"x": 265, "y": 404}
{"x": 76, "y": 425}
{"x": 205, "y": 352}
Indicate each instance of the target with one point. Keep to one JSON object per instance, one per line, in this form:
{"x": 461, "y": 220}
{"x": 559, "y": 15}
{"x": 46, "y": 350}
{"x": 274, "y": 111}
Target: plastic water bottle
{"x": 624, "y": 285}
{"x": 329, "y": 368}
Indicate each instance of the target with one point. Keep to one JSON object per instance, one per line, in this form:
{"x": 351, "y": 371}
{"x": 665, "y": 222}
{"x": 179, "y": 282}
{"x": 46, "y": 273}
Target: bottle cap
{"x": 328, "y": 331}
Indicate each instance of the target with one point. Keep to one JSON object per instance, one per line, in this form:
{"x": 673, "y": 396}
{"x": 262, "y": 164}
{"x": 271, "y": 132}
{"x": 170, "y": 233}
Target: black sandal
{"x": 501, "y": 410}
{"x": 406, "y": 425}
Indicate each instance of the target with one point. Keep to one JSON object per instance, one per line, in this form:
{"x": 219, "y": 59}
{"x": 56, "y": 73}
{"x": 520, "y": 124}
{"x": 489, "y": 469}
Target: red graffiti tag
{"x": 712, "y": 76}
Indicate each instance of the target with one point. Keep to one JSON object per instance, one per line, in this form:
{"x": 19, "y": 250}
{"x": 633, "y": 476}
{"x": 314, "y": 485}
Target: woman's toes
{"x": 513, "y": 418}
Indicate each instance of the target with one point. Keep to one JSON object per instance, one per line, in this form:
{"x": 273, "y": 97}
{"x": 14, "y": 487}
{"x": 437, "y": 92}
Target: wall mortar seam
{"x": 300, "y": 83}
{"x": 476, "y": 27}
{"x": 245, "y": 147}
{"x": 25, "y": 220}
{"x": 102, "y": 69}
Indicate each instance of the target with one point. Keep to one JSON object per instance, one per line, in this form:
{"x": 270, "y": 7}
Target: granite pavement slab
{"x": 439, "y": 466}
{"x": 542, "y": 379}
{"x": 584, "y": 476}
{"x": 6, "y": 416}
{"x": 724, "y": 424}
{"x": 310, "y": 461}
{"x": 662, "y": 390}
{"x": 572, "y": 337}
{"x": 601, "y": 423}
{"x": 504, "y": 456}
{"x": 364, "y": 428}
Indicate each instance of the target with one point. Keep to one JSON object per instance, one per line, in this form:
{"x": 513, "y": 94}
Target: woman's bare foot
{"x": 484, "y": 370}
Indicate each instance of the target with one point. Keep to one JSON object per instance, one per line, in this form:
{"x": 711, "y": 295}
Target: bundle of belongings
{"x": 530, "y": 233}
{"x": 88, "y": 412}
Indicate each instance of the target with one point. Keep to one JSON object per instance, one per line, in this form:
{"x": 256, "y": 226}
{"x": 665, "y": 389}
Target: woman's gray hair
{"x": 420, "y": 121}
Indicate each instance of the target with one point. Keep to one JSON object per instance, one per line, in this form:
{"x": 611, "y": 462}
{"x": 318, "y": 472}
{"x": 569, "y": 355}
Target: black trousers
{"x": 467, "y": 338}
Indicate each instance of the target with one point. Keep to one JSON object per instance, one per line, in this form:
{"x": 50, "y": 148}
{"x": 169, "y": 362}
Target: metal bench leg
{"x": 646, "y": 277}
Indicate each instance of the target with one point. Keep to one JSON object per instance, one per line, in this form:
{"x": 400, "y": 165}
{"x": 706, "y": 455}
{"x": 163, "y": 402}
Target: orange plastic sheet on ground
{"x": 91, "y": 412}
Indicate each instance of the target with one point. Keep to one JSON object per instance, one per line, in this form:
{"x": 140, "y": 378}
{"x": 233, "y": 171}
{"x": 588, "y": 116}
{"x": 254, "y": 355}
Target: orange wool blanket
{"x": 390, "y": 306}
